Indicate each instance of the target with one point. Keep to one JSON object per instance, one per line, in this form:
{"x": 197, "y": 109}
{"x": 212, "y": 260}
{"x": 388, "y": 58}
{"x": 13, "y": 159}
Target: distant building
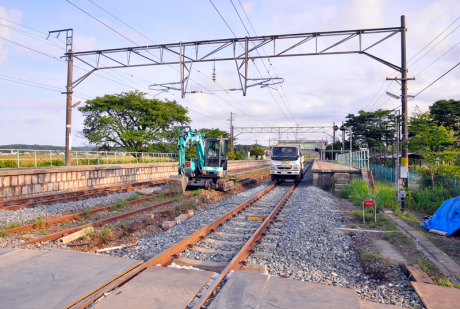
{"x": 305, "y": 144}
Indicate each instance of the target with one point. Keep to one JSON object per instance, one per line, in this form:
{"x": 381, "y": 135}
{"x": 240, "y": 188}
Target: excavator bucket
{"x": 178, "y": 184}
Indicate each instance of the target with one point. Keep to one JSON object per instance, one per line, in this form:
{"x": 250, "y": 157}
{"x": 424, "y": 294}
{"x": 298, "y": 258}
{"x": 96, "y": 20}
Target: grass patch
{"x": 11, "y": 225}
{"x": 428, "y": 199}
{"x": 3, "y": 234}
{"x": 398, "y": 238}
{"x": 44, "y": 232}
{"x": 366, "y": 256}
{"x": 118, "y": 205}
{"x": 407, "y": 217}
{"x": 357, "y": 191}
{"x": 446, "y": 282}
{"x": 133, "y": 197}
{"x": 87, "y": 214}
{"x": 78, "y": 218}
{"x": 106, "y": 234}
{"x": 66, "y": 224}
{"x": 39, "y": 222}
{"x": 383, "y": 222}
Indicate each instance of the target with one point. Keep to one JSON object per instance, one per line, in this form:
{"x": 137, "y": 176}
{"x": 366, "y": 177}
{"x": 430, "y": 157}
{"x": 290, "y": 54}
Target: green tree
{"x": 371, "y": 129}
{"x": 434, "y": 142}
{"x": 257, "y": 152}
{"x": 132, "y": 122}
{"x": 447, "y": 114}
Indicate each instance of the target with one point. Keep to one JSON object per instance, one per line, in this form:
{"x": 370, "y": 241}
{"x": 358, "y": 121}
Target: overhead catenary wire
{"x": 254, "y": 63}
{"x": 270, "y": 64}
{"x": 437, "y": 79}
{"x": 458, "y": 18}
{"x": 83, "y": 70}
{"x": 152, "y": 54}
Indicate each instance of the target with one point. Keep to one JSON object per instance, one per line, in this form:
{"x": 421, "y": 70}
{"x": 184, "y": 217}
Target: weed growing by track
{"x": 39, "y": 222}
{"x": 357, "y": 191}
{"x": 133, "y": 197}
{"x": 434, "y": 273}
{"x": 106, "y": 234}
{"x": 87, "y": 214}
{"x": 383, "y": 222}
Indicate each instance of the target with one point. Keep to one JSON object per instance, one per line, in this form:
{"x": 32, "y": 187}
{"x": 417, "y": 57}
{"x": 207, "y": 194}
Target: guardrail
{"x": 14, "y": 158}
{"x": 359, "y": 159}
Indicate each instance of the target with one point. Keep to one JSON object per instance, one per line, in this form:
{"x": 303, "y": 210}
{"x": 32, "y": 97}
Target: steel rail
{"x": 58, "y": 197}
{"x": 56, "y": 221}
{"x": 73, "y": 196}
{"x": 245, "y": 251}
{"x": 94, "y": 224}
{"x": 166, "y": 257}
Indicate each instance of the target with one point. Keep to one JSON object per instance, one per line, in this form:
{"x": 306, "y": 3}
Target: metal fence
{"x": 388, "y": 175}
{"x": 359, "y": 159}
{"x": 13, "y": 158}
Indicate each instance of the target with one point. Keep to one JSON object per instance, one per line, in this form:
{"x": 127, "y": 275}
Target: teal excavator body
{"x": 208, "y": 170}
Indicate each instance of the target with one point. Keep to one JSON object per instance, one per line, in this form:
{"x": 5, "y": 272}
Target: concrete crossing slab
{"x": 246, "y": 290}
{"x": 55, "y": 279}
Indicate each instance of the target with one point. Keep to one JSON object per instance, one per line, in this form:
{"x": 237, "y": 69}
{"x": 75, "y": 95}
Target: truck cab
{"x": 286, "y": 163}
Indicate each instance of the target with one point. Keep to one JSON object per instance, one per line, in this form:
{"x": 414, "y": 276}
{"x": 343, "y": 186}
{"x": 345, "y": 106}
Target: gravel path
{"x": 27, "y": 214}
{"x": 154, "y": 244}
{"x": 311, "y": 249}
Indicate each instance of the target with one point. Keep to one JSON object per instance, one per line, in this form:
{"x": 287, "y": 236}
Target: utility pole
{"x": 68, "y": 93}
{"x": 231, "y": 132}
{"x": 343, "y": 138}
{"x": 405, "y": 154}
{"x": 256, "y": 142}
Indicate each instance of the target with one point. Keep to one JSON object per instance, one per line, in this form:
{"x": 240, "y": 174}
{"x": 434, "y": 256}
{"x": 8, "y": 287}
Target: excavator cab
{"x": 215, "y": 162}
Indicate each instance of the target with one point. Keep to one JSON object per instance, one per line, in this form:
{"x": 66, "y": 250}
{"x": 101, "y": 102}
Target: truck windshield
{"x": 285, "y": 153}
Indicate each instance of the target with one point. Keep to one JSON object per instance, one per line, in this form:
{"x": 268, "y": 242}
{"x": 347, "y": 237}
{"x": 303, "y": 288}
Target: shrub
{"x": 231, "y": 156}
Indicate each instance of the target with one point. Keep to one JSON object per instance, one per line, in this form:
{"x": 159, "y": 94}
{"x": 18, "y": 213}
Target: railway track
{"x": 73, "y": 196}
{"x": 55, "y": 222}
{"x": 249, "y": 223}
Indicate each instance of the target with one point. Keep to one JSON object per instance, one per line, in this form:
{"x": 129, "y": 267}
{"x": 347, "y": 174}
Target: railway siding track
{"x": 56, "y": 221}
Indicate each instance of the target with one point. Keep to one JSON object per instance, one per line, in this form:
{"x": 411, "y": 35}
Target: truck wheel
{"x": 273, "y": 177}
{"x": 302, "y": 175}
{"x": 297, "y": 179}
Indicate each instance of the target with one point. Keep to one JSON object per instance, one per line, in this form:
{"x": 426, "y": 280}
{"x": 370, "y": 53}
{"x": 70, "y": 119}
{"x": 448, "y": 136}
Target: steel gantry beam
{"x": 226, "y": 50}
{"x": 281, "y": 130}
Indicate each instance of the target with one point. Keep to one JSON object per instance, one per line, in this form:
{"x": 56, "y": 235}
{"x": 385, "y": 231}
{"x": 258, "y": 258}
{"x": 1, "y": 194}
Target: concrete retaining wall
{"x": 24, "y": 182}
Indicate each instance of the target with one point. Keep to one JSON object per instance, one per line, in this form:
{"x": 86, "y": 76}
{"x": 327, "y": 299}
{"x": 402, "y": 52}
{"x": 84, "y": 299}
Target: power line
{"x": 148, "y": 52}
{"x": 421, "y": 56}
{"x": 254, "y": 63}
{"x": 286, "y": 103}
{"x": 437, "y": 59}
{"x": 438, "y": 79}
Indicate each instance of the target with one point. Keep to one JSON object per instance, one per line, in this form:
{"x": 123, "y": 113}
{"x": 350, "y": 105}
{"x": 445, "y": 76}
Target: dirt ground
{"x": 404, "y": 247}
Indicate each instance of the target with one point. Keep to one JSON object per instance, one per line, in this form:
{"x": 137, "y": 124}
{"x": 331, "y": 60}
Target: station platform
{"x": 330, "y": 167}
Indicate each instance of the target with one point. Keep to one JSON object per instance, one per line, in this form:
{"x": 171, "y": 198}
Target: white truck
{"x": 286, "y": 163}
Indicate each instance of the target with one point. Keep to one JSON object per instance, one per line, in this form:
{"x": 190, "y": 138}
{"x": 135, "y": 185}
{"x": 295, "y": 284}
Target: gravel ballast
{"x": 27, "y": 214}
{"x": 311, "y": 249}
{"x": 153, "y": 244}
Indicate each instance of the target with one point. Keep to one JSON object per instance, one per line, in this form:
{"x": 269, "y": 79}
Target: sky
{"x": 317, "y": 90}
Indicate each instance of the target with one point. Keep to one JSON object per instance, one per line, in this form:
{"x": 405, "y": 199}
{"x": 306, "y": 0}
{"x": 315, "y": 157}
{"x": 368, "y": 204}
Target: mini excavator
{"x": 208, "y": 170}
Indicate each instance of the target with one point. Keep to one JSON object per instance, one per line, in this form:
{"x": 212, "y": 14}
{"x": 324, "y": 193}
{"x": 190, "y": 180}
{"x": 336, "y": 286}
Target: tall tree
{"x": 371, "y": 129}
{"x": 447, "y": 114}
{"x": 434, "y": 142}
{"x": 132, "y": 122}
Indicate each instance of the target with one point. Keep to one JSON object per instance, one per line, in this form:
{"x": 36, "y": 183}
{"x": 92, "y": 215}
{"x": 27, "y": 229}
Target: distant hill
{"x": 45, "y": 147}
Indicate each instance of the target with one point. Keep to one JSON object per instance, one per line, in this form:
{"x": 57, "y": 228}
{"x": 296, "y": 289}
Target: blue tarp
{"x": 446, "y": 218}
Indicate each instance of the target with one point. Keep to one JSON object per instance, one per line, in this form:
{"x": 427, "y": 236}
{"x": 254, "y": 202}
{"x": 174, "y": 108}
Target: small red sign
{"x": 188, "y": 164}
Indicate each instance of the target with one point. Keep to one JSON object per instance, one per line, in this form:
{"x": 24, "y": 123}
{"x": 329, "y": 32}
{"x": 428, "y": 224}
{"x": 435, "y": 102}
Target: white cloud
{"x": 249, "y": 6}
{"x": 40, "y": 117}
{"x": 5, "y": 32}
